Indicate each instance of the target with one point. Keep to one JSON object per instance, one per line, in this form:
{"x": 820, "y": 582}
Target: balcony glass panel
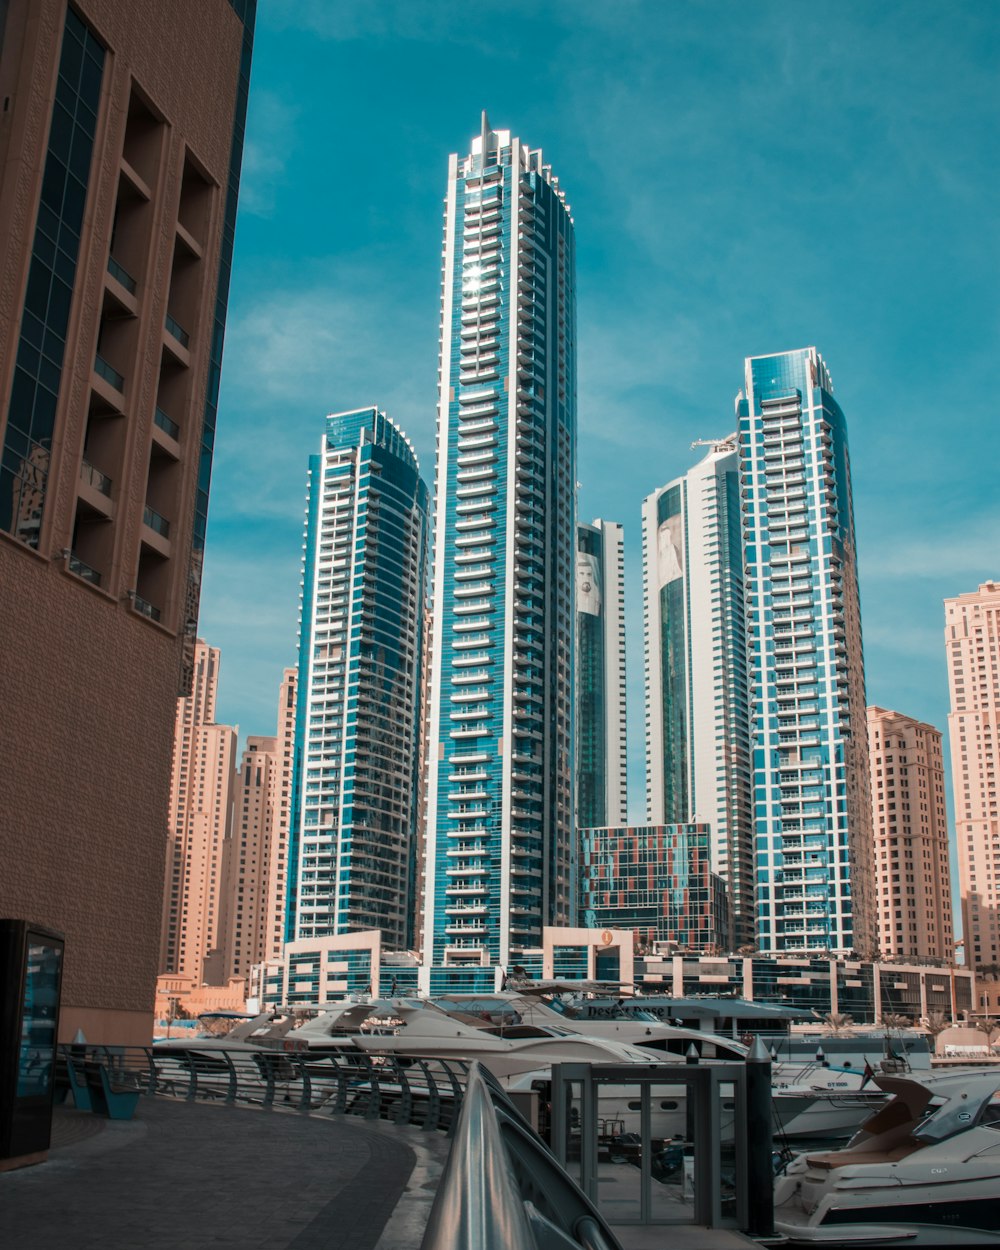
{"x": 77, "y": 566}
{"x": 146, "y": 608}
{"x": 156, "y": 522}
{"x": 178, "y": 331}
{"x": 122, "y": 275}
{"x": 110, "y": 375}
{"x": 94, "y": 477}
{"x": 165, "y": 424}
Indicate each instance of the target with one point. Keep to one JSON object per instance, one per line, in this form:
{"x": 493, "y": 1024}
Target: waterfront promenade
{"x": 189, "y": 1175}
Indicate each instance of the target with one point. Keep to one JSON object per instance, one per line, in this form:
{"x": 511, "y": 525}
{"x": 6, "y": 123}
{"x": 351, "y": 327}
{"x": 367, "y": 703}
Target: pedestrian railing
{"x": 502, "y": 1185}
{"x": 421, "y": 1092}
{"x": 502, "y": 1188}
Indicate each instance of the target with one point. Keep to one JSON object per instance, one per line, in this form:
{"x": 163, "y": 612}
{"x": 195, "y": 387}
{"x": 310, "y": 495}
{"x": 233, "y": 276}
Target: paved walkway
{"x": 188, "y": 1175}
{"x": 185, "y": 1176}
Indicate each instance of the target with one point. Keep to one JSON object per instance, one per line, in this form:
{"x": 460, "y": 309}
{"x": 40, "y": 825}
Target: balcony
{"x": 95, "y": 478}
{"x": 144, "y": 607}
{"x": 158, "y": 524}
{"x": 108, "y": 374}
{"x": 163, "y": 422}
{"x": 81, "y": 569}
{"x": 177, "y": 331}
{"x": 122, "y": 276}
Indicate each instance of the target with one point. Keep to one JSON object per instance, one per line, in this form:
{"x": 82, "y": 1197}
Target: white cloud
{"x": 270, "y": 144}
{"x": 258, "y": 641}
{"x": 922, "y": 549}
{"x": 295, "y": 355}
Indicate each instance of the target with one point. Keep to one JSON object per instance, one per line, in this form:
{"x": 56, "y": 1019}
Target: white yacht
{"x": 814, "y": 1099}
{"x": 923, "y": 1170}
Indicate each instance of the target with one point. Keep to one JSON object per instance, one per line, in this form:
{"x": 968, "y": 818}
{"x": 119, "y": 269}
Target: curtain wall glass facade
{"x": 812, "y": 808}
{"x": 359, "y": 663}
{"x": 500, "y": 858}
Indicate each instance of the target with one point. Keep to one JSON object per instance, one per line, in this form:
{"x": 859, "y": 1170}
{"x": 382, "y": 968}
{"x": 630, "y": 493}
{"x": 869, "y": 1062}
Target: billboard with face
{"x": 669, "y": 550}
{"x": 588, "y": 584}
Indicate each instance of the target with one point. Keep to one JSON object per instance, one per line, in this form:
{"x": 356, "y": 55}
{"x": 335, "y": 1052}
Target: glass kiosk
{"x": 31, "y": 960}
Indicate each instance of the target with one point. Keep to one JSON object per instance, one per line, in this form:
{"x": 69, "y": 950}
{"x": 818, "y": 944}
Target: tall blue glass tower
{"x": 499, "y": 856}
{"x": 352, "y": 840}
{"x": 812, "y": 808}
{"x": 601, "y": 748}
{"x": 697, "y": 711}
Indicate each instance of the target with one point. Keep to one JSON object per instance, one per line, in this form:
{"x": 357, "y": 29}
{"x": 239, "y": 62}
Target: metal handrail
{"x": 502, "y": 1188}
{"x": 419, "y": 1091}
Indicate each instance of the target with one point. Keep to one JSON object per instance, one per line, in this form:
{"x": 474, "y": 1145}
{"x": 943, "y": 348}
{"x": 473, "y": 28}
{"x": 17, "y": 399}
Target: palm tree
{"x": 838, "y": 1022}
{"x": 896, "y": 1021}
{"x": 988, "y": 1027}
{"x": 935, "y": 1023}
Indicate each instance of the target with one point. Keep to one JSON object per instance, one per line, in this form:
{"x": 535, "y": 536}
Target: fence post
{"x": 759, "y": 1144}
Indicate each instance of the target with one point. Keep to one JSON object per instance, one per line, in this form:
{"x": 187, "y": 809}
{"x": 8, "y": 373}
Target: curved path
{"x": 185, "y": 1175}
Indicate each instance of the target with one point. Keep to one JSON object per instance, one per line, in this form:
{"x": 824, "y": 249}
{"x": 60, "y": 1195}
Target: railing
{"x": 81, "y": 569}
{"x": 424, "y": 1093}
{"x": 145, "y": 607}
{"x": 156, "y": 522}
{"x": 175, "y": 329}
{"x": 122, "y": 275}
{"x": 161, "y": 419}
{"x": 502, "y": 1188}
{"x": 110, "y": 375}
{"x": 94, "y": 477}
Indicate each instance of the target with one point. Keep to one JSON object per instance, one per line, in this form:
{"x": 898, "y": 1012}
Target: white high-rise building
{"x": 698, "y": 762}
{"x": 601, "y": 753}
{"x": 500, "y": 861}
{"x": 812, "y": 801}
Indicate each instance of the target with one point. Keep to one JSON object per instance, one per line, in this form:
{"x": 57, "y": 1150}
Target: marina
{"x": 647, "y": 1138}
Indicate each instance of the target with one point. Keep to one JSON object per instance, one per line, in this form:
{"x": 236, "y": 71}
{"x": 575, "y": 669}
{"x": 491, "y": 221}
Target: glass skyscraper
{"x": 363, "y": 583}
{"x": 657, "y": 880}
{"x": 601, "y": 756}
{"x": 812, "y": 808}
{"x": 697, "y": 710}
{"x": 500, "y": 803}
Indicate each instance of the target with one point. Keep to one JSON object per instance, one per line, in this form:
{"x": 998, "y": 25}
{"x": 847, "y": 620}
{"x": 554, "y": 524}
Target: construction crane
{"x": 713, "y": 442}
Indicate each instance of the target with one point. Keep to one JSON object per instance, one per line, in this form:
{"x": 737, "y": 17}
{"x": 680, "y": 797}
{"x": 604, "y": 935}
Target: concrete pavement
{"x": 189, "y": 1175}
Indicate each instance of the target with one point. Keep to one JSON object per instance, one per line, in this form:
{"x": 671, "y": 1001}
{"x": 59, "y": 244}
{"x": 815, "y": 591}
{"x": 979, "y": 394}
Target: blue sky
{"x": 745, "y": 178}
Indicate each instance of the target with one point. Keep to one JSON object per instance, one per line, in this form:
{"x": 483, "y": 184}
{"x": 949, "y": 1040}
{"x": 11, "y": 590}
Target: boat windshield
{"x": 978, "y": 1103}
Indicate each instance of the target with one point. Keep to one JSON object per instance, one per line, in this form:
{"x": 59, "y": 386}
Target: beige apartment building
{"x": 121, "y": 138}
{"x": 972, "y": 643}
{"x": 202, "y": 786}
{"x": 912, "y": 875}
{"x": 256, "y": 874}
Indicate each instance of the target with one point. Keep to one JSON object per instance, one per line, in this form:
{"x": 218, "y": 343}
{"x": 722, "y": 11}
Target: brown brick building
{"x": 121, "y": 136}
{"x": 912, "y": 875}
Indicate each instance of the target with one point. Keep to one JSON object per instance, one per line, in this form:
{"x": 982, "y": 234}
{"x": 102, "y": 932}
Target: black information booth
{"x": 31, "y": 962}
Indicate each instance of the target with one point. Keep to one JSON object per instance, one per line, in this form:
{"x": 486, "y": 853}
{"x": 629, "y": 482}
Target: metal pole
{"x": 759, "y": 1144}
